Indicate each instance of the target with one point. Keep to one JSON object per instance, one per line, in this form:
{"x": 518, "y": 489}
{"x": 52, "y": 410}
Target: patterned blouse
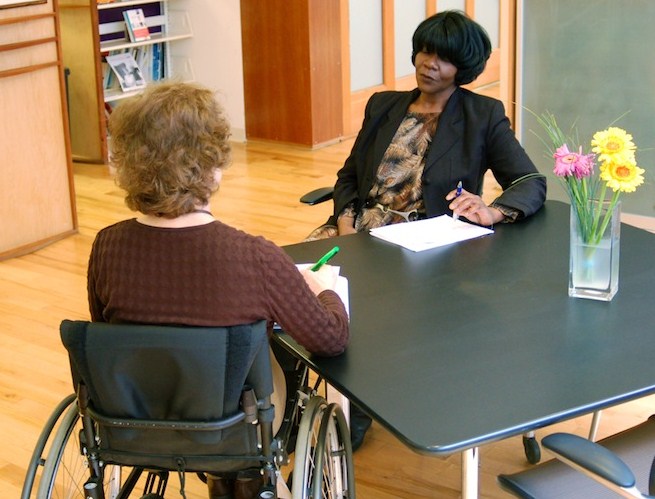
{"x": 396, "y": 195}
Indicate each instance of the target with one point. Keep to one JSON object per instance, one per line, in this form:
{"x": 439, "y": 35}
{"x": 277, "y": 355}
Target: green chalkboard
{"x": 590, "y": 62}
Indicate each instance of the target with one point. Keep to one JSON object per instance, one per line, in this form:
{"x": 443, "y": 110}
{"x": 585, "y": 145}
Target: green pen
{"x": 325, "y": 258}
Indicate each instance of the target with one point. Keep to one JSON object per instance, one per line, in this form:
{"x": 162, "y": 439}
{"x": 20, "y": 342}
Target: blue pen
{"x": 458, "y": 193}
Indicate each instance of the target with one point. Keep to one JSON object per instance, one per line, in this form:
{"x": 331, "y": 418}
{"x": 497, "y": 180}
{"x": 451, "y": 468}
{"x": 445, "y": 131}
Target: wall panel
{"x": 589, "y": 62}
{"x": 36, "y": 199}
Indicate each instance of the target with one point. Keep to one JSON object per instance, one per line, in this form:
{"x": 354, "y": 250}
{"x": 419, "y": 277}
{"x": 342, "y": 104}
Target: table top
{"x": 477, "y": 341}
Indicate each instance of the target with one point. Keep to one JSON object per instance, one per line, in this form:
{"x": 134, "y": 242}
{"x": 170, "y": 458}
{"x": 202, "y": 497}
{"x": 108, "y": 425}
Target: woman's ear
{"x": 413, "y": 58}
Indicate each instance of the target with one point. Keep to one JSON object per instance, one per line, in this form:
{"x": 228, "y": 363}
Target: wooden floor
{"x": 260, "y": 195}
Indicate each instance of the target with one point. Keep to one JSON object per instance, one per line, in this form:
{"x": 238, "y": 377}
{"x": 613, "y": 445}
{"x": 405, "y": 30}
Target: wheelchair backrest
{"x": 167, "y": 373}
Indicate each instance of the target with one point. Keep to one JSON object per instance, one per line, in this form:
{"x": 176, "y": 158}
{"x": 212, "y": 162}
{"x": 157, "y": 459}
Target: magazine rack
{"x": 93, "y": 29}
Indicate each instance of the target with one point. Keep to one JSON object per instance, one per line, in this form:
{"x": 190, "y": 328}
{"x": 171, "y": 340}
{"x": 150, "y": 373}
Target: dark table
{"x": 474, "y": 342}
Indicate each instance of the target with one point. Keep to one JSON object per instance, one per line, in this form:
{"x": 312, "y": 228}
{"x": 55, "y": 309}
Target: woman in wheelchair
{"x": 176, "y": 263}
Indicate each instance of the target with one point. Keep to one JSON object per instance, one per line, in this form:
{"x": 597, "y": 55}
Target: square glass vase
{"x": 594, "y": 259}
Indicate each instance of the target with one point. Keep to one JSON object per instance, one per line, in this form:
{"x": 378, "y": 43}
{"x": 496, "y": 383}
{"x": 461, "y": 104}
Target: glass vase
{"x": 594, "y": 255}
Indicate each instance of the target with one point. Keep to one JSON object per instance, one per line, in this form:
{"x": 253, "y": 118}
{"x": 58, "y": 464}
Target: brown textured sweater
{"x": 208, "y": 275}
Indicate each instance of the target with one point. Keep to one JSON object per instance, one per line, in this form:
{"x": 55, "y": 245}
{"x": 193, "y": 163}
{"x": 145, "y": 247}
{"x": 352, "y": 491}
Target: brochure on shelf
{"x": 137, "y": 27}
{"x": 127, "y": 71}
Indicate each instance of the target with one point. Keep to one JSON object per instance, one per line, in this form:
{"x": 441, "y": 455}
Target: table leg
{"x": 595, "y": 421}
{"x": 470, "y": 461}
{"x": 334, "y": 396}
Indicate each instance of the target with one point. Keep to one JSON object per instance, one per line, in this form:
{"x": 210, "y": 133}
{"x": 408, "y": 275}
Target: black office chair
{"x": 619, "y": 466}
{"x": 154, "y": 399}
{"x": 317, "y": 196}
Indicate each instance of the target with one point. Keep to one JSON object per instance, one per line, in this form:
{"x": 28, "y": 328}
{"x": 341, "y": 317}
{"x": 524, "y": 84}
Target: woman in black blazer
{"x": 415, "y": 147}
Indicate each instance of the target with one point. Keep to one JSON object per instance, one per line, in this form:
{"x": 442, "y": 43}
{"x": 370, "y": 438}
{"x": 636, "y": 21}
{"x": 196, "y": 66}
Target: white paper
{"x": 429, "y": 233}
{"x": 341, "y": 288}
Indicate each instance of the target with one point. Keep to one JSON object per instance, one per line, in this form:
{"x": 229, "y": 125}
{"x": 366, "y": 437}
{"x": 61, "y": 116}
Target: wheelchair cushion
{"x": 166, "y": 373}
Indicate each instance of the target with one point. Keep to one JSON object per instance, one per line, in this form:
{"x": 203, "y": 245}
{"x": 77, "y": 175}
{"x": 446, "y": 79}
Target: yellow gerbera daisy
{"x": 622, "y": 176}
{"x": 613, "y": 144}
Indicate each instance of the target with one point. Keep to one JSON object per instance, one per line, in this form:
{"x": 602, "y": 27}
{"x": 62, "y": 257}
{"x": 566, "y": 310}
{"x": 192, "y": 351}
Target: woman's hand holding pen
{"x": 473, "y": 208}
{"x": 320, "y": 276}
{"x": 321, "y": 279}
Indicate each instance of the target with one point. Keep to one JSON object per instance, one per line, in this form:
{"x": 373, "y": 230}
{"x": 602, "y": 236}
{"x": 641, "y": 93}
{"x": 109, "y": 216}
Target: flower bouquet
{"x": 595, "y": 208}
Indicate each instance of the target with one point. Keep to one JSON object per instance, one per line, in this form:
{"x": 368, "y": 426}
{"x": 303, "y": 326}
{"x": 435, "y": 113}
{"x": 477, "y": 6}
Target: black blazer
{"x": 473, "y": 135}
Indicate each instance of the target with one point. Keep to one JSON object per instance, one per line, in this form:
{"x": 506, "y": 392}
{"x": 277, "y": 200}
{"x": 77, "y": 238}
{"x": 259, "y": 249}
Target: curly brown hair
{"x": 166, "y": 145}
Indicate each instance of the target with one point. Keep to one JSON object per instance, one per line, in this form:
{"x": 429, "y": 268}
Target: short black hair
{"x": 455, "y": 38}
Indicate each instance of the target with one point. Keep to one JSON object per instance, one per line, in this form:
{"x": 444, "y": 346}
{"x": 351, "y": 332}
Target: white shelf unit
{"x": 166, "y": 26}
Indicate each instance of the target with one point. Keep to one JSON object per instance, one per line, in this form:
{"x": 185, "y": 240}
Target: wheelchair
{"x": 155, "y": 401}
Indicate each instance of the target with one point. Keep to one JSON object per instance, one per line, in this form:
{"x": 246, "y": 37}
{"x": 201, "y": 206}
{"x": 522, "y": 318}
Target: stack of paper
{"x": 429, "y": 233}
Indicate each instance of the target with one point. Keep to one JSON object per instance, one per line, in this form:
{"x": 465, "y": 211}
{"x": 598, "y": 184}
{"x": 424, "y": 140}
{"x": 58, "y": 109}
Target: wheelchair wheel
{"x": 66, "y": 468}
{"x": 323, "y": 466}
{"x": 38, "y": 456}
{"x": 338, "y": 477}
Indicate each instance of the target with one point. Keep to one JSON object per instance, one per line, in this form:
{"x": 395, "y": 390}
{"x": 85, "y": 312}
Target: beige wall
{"x": 215, "y": 51}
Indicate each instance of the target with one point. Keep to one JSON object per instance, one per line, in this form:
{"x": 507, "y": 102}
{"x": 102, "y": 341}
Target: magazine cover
{"x": 127, "y": 71}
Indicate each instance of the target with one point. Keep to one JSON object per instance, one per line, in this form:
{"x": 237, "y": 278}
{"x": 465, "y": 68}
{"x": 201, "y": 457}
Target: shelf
{"x": 154, "y": 38}
{"x": 96, "y": 29}
{"x": 179, "y": 28}
{"x": 124, "y": 3}
{"x": 182, "y": 70}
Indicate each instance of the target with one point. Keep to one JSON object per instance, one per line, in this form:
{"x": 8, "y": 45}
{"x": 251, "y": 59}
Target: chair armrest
{"x": 590, "y": 458}
{"x": 318, "y": 196}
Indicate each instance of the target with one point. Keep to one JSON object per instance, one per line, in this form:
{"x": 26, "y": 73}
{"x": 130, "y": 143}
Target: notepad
{"x": 429, "y": 233}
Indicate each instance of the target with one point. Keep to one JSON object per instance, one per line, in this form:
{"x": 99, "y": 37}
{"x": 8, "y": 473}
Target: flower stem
{"x": 595, "y": 235}
{"x": 608, "y": 217}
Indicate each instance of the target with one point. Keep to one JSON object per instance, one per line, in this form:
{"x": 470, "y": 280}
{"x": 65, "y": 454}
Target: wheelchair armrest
{"x": 590, "y": 458}
{"x": 318, "y": 196}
